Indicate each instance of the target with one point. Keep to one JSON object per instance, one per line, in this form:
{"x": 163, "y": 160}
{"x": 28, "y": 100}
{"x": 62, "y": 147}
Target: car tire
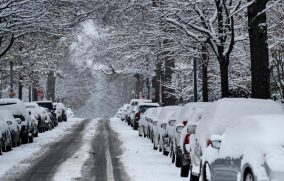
{"x": 36, "y": 135}
{"x": 184, "y": 170}
{"x": 248, "y": 175}
{"x": 173, "y": 158}
{"x": 19, "y": 141}
{"x": 178, "y": 161}
{"x": 1, "y": 151}
{"x": 31, "y": 139}
{"x": 25, "y": 139}
{"x": 206, "y": 172}
{"x": 193, "y": 177}
{"x": 166, "y": 153}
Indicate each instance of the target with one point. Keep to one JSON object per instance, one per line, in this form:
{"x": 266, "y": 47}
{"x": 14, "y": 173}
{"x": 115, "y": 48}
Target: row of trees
{"x": 238, "y": 45}
{"x": 35, "y": 37}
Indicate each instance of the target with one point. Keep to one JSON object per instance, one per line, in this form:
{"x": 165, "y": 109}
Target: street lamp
{"x": 11, "y": 61}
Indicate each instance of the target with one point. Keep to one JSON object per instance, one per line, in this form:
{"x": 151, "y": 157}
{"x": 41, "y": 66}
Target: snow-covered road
{"x": 98, "y": 149}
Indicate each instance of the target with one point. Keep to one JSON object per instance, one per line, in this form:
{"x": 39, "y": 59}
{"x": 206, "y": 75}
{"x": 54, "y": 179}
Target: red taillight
{"x": 209, "y": 142}
{"x": 184, "y": 123}
{"x": 137, "y": 115}
{"x": 186, "y": 139}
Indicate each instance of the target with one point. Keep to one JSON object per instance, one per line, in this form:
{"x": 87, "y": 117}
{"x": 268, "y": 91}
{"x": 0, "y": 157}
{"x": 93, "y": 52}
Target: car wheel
{"x": 184, "y": 170}
{"x": 173, "y": 157}
{"x": 1, "y": 151}
{"x": 31, "y": 139}
{"x": 178, "y": 160}
{"x": 193, "y": 177}
{"x": 36, "y": 135}
{"x": 166, "y": 153}
{"x": 25, "y": 139}
{"x": 248, "y": 176}
{"x": 206, "y": 172}
{"x": 19, "y": 141}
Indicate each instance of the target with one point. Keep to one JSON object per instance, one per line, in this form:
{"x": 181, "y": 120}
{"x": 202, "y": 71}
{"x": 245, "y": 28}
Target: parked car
{"x": 139, "y": 111}
{"x": 34, "y": 124}
{"x": 256, "y": 153}
{"x": 60, "y": 111}
{"x": 171, "y": 131}
{"x": 143, "y": 123}
{"x": 37, "y": 113}
{"x": 18, "y": 109}
{"x": 184, "y": 117}
{"x": 124, "y": 111}
{"x": 133, "y": 103}
{"x": 186, "y": 133}
{"x": 48, "y": 124}
{"x": 48, "y": 105}
{"x": 217, "y": 118}
{"x": 159, "y": 125}
{"x": 5, "y": 137}
{"x": 14, "y": 126}
{"x": 155, "y": 113}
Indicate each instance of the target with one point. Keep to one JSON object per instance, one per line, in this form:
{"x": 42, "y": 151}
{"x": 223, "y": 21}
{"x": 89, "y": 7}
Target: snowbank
{"x": 141, "y": 161}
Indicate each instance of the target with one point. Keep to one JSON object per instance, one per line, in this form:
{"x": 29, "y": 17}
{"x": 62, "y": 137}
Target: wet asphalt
{"x": 102, "y": 165}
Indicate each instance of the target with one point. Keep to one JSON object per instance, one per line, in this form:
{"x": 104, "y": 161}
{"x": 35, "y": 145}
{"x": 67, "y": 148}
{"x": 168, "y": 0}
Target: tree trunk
{"x": 168, "y": 98}
{"x": 30, "y": 93}
{"x": 20, "y": 89}
{"x": 224, "y": 72}
{"x": 156, "y": 82}
{"x": 204, "y": 60}
{"x": 259, "y": 50}
{"x": 51, "y": 86}
{"x": 34, "y": 94}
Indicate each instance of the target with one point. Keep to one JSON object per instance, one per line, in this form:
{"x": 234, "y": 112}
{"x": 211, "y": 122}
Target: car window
{"x": 142, "y": 109}
{"x": 6, "y": 104}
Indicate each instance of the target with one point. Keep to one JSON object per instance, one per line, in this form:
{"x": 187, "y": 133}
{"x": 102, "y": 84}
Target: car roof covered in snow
{"x": 188, "y": 110}
{"x": 16, "y": 106}
{"x": 167, "y": 112}
{"x": 222, "y": 113}
{"x": 148, "y": 104}
{"x": 6, "y": 115}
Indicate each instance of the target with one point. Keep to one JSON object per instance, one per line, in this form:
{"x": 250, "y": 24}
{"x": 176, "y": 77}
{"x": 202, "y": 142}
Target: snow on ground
{"x": 69, "y": 169}
{"x": 15, "y": 158}
{"x": 141, "y": 161}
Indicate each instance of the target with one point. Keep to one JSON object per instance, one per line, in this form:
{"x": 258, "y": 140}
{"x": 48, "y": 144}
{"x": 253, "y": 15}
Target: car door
{"x": 225, "y": 169}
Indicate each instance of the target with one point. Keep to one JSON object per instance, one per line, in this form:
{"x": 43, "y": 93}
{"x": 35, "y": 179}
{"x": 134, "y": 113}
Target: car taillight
{"x": 209, "y": 142}
{"x": 184, "y": 123}
{"x": 186, "y": 139}
{"x": 137, "y": 115}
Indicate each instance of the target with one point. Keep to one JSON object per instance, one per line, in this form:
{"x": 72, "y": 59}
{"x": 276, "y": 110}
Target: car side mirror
{"x": 179, "y": 129}
{"x": 163, "y": 126}
{"x": 191, "y": 129}
{"x": 9, "y": 122}
{"x": 216, "y": 141}
{"x": 19, "y": 120}
{"x": 172, "y": 122}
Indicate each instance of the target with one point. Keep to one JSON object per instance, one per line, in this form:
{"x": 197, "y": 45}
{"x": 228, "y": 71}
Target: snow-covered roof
{"x": 16, "y": 106}
{"x": 188, "y": 110}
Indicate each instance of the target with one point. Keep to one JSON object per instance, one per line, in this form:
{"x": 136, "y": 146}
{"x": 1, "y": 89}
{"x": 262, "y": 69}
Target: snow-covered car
{"x": 184, "y": 117}
{"x": 159, "y": 127}
{"x": 48, "y": 124}
{"x": 119, "y": 112}
{"x": 60, "y": 111}
{"x": 218, "y": 117}
{"x": 124, "y": 111}
{"x": 155, "y": 113}
{"x": 132, "y": 115}
{"x": 133, "y": 103}
{"x": 171, "y": 129}
{"x": 37, "y": 113}
{"x": 5, "y": 136}
{"x": 48, "y": 105}
{"x": 163, "y": 125}
{"x": 143, "y": 123}
{"x": 14, "y": 126}
{"x": 18, "y": 109}
{"x": 34, "y": 124}
{"x": 256, "y": 153}
{"x": 185, "y": 142}
{"x": 140, "y": 110}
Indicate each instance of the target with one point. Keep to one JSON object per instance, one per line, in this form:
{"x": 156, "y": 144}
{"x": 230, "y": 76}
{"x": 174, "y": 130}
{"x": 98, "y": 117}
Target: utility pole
{"x": 195, "y": 79}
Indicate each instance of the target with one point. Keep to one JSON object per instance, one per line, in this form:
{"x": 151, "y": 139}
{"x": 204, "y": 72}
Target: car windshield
{"x": 143, "y": 109}
{"x": 47, "y": 105}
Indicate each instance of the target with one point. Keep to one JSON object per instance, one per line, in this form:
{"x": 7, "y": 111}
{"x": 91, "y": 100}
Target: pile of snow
{"x": 141, "y": 161}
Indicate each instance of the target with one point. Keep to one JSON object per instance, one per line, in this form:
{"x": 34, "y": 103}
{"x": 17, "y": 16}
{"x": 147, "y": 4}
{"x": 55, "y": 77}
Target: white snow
{"x": 15, "y": 160}
{"x": 69, "y": 170}
{"x": 141, "y": 161}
